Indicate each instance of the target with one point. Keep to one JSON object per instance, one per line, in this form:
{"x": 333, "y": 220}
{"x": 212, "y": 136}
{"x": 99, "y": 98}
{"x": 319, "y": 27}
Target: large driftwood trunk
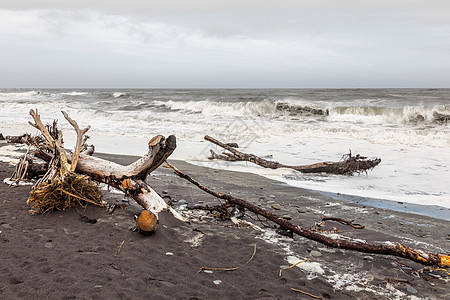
{"x": 21, "y": 139}
{"x": 347, "y": 166}
{"x": 131, "y": 179}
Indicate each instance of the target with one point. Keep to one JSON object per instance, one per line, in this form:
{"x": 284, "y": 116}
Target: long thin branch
{"x": 238, "y": 155}
{"x": 385, "y": 249}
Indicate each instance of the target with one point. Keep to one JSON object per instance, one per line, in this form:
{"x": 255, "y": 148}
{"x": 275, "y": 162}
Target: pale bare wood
{"x": 116, "y": 175}
{"x": 156, "y": 155}
{"x": 129, "y": 179}
{"x": 81, "y": 139}
{"x": 50, "y": 141}
{"x": 40, "y": 126}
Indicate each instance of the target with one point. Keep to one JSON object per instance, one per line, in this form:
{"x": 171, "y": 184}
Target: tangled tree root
{"x": 71, "y": 191}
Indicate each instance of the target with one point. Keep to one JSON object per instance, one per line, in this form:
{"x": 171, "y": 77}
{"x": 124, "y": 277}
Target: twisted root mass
{"x": 71, "y": 190}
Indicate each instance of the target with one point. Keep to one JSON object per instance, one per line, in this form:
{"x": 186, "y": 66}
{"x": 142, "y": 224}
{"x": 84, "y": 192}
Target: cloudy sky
{"x": 246, "y": 43}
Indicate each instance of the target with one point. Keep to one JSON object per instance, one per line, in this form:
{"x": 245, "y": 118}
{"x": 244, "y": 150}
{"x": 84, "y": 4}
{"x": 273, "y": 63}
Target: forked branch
{"x": 81, "y": 140}
{"x": 49, "y": 141}
{"x": 52, "y": 144}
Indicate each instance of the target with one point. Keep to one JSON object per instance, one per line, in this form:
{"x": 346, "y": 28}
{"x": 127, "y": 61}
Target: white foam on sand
{"x": 17, "y": 183}
{"x": 358, "y": 282}
{"x": 349, "y": 281}
{"x": 355, "y": 281}
{"x": 311, "y": 269}
{"x": 272, "y": 237}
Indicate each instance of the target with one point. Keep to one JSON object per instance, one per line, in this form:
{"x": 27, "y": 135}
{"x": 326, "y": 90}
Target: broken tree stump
{"x": 349, "y": 165}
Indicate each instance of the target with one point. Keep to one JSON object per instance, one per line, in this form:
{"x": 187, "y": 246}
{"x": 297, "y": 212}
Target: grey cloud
{"x": 254, "y": 15}
{"x": 279, "y": 41}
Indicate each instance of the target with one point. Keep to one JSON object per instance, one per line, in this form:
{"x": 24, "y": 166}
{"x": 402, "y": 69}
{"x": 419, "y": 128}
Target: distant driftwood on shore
{"x": 349, "y": 165}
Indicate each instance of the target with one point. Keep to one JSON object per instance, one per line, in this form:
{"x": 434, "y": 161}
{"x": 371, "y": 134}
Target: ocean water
{"x": 409, "y": 129}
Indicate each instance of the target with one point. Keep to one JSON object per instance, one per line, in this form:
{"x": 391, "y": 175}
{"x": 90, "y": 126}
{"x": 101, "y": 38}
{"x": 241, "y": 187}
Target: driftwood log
{"x": 25, "y": 138}
{"x": 399, "y": 250}
{"x": 129, "y": 179}
{"x": 22, "y": 139}
{"x": 348, "y": 165}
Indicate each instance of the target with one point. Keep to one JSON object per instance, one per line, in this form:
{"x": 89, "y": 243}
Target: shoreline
{"x": 392, "y": 180}
{"x": 433, "y": 211}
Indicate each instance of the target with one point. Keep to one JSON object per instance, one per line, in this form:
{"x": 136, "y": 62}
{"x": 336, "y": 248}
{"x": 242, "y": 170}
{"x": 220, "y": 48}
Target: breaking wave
{"x": 221, "y": 108}
{"x": 408, "y": 115}
{"x": 244, "y": 106}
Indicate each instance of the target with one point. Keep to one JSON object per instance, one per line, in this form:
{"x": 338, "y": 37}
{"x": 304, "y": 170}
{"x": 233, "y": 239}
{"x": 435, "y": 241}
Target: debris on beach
{"x": 71, "y": 178}
{"x": 398, "y": 249}
{"x": 348, "y": 165}
{"x": 61, "y": 187}
{"x": 66, "y": 168}
{"x": 146, "y": 221}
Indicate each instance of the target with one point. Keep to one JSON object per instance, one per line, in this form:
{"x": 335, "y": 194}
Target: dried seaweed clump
{"x": 71, "y": 190}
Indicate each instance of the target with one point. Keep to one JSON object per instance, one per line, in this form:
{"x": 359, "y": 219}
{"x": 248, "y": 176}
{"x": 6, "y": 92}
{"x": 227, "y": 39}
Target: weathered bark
{"x": 20, "y": 139}
{"x": 399, "y": 250}
{"x": 160, "y": 149}
{"x": 129, "y": 179}
{"x": 349, "y": 165}
{"x": 36, "y": 168}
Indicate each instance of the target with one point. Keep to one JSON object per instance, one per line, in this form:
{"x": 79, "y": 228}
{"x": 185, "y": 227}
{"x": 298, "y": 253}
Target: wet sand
{"x": 61, "y": 256}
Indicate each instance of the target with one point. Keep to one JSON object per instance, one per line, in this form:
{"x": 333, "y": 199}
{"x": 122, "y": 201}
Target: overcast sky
{"x": 253, "y": 43}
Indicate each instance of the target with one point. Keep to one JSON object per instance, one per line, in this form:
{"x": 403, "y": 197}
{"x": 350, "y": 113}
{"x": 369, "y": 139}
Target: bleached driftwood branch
{"x": 129, "y": 179}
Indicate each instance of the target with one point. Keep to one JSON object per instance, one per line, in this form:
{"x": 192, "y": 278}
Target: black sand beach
{"x": 62, "y": 255}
